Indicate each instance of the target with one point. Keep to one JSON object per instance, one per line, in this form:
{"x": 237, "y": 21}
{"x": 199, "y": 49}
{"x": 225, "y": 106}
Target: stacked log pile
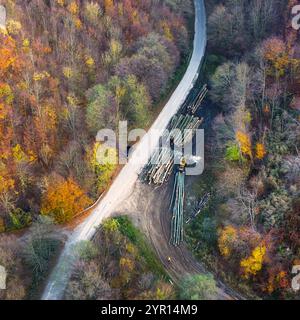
{"x": 161, "y": 163}
{"x": 177, "y": 204}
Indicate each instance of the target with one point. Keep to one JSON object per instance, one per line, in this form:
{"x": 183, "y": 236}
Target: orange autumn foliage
{"x": 6, "y": 182}
{"x": 8, "y": 55}
{"x": 276, "y": 53}
{"x": 277, "y": 280}
{"x": 109, "y": 6}
{"x": 6, "y": 133}
{"x": 63, "y": 200}
{"x": 73, "y": 8}
{"x": 44, "y": 76}
{"x": 260, "y": 151}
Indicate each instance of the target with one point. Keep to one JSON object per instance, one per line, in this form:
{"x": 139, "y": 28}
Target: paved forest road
{"x": 123, "y": 185}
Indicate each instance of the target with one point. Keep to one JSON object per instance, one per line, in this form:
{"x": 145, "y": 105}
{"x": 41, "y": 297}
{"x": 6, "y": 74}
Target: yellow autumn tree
{"x": 104, "y": 162}
{"x": 39, "y": 76}
{"x": 6, "y": 93}
{"x": 63, "y": 200}
{"x": 68, "y": 72}
{"x": 89, "y": 61}
{"x": 226, "y": 237}
{"x": 167, "y": 31}
{"x": 73, "y": 8}
{"x": 126, "y": 270}
{"x": 253, "y": 264}
{"x": 244, "y": 142}
{"x": 60, "y": 2}
{"x": 110, "y": 225}
{"x": 92, "y": 12}
{"x": 126, "y": 264}
{"x": 260, "y": 151}
{"x": 18, "y": 154}
{"x": 113, "y": 55}
{"x": 13, "y": 27}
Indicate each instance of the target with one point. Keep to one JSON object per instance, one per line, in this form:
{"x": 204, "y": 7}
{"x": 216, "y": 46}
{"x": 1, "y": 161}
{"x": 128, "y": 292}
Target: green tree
{"x": 19, "y": 219}
{"x": 229, "y": 85}
{"x": 198, "y": 287}
{"x": 222, "y": 81}
{"x": 104, "y": 163}
{"x": 133, "y": 99}
{"x": 101, "y": 110}
{"x": 41, "y": 247}
{"x": 233, "y": 153}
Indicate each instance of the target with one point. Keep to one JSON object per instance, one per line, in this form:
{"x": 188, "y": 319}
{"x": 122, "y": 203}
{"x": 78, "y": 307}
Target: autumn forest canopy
{"x": 249, "y": 233}
{"x": 67, "y": 69}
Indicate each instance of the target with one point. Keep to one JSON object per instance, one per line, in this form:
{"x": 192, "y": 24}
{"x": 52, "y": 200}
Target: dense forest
{"x": 69, "y": 68}
{"x": 249, "y": 232}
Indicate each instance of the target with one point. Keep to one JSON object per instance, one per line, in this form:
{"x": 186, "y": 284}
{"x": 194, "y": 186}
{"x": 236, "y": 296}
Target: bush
{"x": 233, "y": 153}
{"x": 40, "y": 248}
{"x": 198, "y": 287}
{"x": 19, "y": 219}
{"x": 274, "y": 207}
{"x": 137, "y": 238}
{"x": 86, "y": 250}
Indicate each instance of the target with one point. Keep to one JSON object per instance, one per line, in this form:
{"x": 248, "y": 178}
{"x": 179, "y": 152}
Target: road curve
{"x": 123, "y": 185}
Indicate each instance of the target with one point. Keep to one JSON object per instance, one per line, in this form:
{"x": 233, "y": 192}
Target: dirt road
{"x": 149, "y": 210}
